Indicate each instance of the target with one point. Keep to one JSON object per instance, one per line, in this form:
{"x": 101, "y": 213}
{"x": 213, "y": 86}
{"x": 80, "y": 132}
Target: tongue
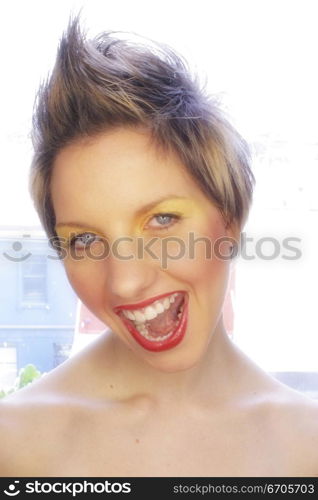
{"x": 166, "y": 321}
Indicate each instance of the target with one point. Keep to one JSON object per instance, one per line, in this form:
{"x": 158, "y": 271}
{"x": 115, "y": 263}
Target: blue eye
{"x": 83, "y": 240}
{"x": 165, "y": 221}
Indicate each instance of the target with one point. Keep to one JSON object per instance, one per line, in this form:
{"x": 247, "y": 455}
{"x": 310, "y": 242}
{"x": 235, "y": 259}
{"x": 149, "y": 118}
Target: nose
{"x": 129, "y": 275}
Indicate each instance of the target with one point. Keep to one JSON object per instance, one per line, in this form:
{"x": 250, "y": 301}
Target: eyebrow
{"x": 149, "y": 206}
{"x": 140, "y": 211}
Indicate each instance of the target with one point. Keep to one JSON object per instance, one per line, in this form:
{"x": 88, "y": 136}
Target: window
{"x": 34, "y": 281}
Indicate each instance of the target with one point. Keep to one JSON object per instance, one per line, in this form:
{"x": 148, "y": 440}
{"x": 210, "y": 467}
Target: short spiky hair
{"x": 110, "y": 82}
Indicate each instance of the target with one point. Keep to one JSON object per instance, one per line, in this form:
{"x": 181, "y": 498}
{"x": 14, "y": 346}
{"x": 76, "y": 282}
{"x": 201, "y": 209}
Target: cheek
{"x": 201, "y": 255}
{"x": 212, "y": 266}
{"x": 87, "y": 282}
{"x": 208, "y": 273}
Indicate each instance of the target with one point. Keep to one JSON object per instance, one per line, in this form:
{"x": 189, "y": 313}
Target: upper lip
{"x": 145, "y": 303}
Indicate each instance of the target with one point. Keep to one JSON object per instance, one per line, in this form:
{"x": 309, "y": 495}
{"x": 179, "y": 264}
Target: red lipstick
{"x": 145, "y": 303}
{"x": 174, "y": 337}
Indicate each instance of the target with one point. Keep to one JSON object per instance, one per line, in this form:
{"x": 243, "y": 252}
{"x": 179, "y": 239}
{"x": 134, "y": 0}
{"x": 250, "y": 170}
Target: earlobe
{"x": 233, "y": 231}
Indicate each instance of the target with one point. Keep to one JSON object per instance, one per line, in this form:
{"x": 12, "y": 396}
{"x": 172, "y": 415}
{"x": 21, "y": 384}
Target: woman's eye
{"x": 163, "y": 221}
{"x": 83, "y": 240}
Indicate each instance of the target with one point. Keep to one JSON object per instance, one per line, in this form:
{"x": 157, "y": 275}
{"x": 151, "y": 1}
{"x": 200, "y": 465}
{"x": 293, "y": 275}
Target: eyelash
{"x": 175, "y": 218}
{"x": 78, "y": 236}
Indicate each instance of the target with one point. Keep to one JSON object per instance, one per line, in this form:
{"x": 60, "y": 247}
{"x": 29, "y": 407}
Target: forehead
{"x": 119, "y": 170}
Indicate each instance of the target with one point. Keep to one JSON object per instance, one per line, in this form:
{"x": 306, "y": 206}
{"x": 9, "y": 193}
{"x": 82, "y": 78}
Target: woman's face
{"x": 140, "y": 238}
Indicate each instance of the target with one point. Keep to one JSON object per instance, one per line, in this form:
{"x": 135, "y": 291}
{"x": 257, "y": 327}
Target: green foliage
{"x": 26, "y": 376}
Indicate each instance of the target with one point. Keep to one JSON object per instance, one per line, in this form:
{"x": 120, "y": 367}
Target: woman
{"x": 144, "y": 188}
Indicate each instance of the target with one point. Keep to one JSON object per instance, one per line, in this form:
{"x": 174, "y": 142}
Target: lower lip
{"x": 162, "y": 345}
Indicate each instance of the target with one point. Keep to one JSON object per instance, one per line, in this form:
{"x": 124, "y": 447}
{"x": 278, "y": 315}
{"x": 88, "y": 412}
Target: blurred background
{"x": 260, "y": 59}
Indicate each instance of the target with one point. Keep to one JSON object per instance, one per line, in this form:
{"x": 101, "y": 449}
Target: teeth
{"x": 159, "y": 307}
{"x": 144, "y": 333}
{"x": 129, "y": 315}
{"x": 164, "y": 337}
{"x": 150, "y": 313}
{"x": 166, "y": 303}
{"x": 139, "y": 317}
{"x": 142, "y": 329}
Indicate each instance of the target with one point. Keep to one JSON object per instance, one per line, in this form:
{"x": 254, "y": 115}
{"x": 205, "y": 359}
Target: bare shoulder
{"x": 297, "y": 410}
{"x": 34, "y": 422}
{"x": 41, "y": 423}
{"x": 29, "y": 424}
{"x": 293, "y": 421}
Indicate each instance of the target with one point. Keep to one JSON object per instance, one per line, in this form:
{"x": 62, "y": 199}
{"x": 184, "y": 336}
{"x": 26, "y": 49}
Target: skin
{"x": 201, "y": 408}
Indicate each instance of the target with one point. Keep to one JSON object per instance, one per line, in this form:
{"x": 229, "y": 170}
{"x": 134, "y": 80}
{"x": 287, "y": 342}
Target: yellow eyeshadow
{"x": 184, "y": 208}
{"x": 66, "y": 233}
{"x": 181, "y": 207}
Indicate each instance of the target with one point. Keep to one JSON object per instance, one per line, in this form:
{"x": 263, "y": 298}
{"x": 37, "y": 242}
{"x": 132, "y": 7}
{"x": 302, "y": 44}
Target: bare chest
{"x": 135, "y": 444}
{"x": 182, "y": 449}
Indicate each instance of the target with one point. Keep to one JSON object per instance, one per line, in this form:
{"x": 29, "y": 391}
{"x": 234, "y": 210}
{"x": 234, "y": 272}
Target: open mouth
{"x": 161, "y": 325}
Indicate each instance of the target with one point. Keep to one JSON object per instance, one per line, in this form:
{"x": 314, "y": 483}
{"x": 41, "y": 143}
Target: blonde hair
{"x": 109, "y": 82}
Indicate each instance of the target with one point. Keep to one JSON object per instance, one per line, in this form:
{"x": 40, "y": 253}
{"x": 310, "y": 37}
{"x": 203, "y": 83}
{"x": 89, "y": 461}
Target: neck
{"x": 209, "y": 379}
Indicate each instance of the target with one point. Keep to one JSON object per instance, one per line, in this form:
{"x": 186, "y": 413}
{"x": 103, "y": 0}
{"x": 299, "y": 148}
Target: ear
{"x": 233, "y": 230}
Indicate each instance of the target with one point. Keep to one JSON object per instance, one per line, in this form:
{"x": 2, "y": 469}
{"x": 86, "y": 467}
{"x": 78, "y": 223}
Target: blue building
{"x": 37, "y": 304}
